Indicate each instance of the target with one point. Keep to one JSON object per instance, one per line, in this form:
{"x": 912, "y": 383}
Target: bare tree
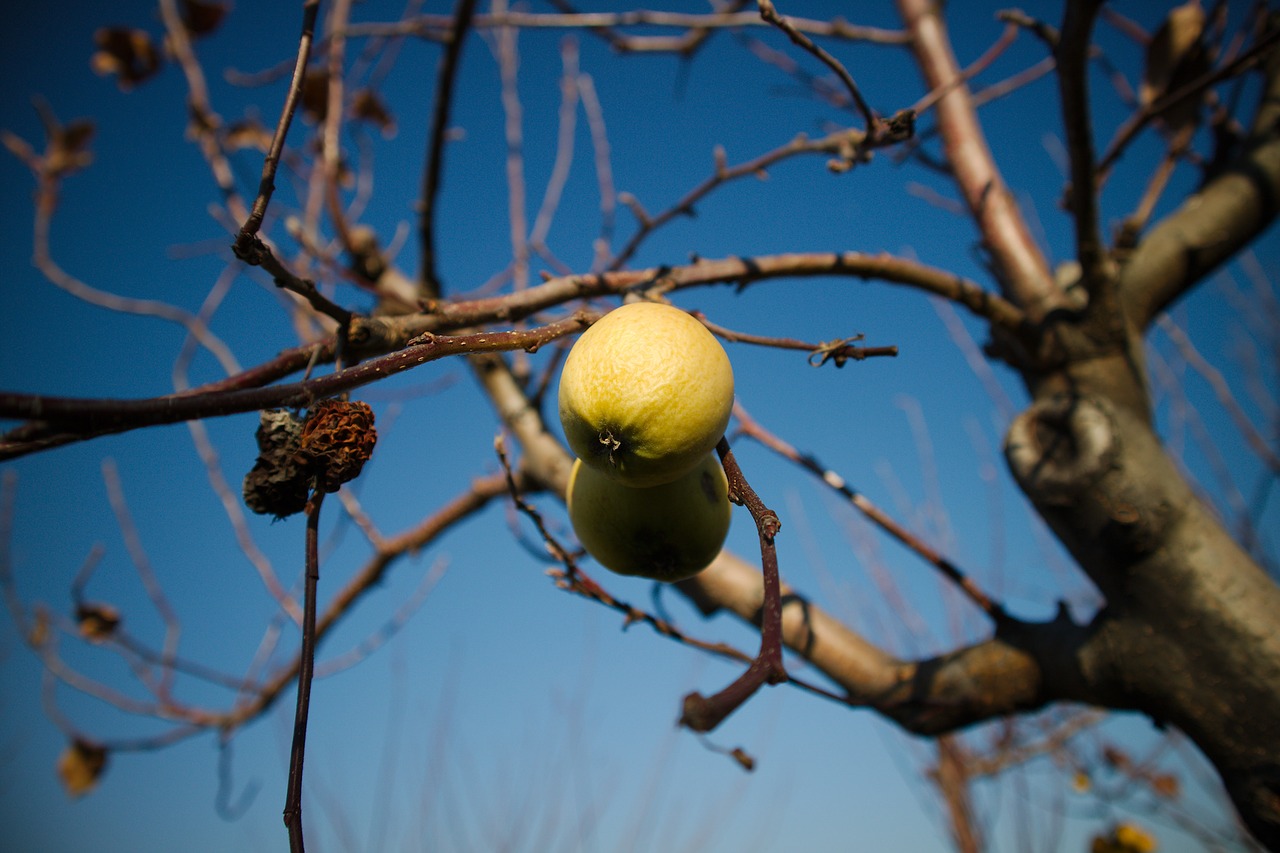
{"x": 1189, "y": 634}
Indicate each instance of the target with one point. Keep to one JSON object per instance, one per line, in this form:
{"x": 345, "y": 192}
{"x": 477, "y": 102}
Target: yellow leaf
{"x": 80, "y": 766}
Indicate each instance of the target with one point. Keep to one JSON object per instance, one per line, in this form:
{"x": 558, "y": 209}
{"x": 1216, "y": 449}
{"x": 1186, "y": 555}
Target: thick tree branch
{"x": 1232, "y": 208}
{"x": 1019, "y": 264}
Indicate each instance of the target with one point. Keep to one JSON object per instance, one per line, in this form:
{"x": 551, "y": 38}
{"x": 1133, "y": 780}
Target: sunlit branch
{"x": 89, "y": 416}
{"x": 1020, "y": 265}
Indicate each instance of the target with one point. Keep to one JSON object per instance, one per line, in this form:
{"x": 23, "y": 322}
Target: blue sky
{"x": 506, "y": 713}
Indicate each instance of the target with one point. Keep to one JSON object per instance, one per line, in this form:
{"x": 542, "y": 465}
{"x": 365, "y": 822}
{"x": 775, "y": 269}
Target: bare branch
{"x": 1072, "y": 54}
{"x": 770, "y": 14}
{"x": 87, "y": 417}
{"x": 1020, "y": 265}
{"x": 267, "y": 186}
{"x": 435, "y": 26}
{"x": 1234, "y": 206}
{"x": 429, "y": 276}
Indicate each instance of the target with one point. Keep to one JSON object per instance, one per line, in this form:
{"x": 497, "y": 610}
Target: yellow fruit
{"x": 645, "y": 394}
{"x": 667, "y": 533}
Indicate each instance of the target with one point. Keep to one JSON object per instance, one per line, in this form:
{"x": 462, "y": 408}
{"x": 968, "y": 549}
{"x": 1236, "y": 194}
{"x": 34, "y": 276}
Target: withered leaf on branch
{"x": 81, "y": 765}
{"x": 201, "y": 18}
{"x": 129, "y": 54}
{"x": 367, "y": 106}
{"x": 1176, "y": 56}
{"x": 97, "y": 621}
{"x": 279, "y": 482}
{"x": 315, "y": 95}
{"x": 68, "y": 149}
{"x": 66, "y": 146}
{"x": 247, "y": 133}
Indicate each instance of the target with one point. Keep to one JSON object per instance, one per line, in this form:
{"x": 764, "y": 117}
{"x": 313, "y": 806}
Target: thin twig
{"x": 1222, "y": 390}
{"x": 701, "y": 713}
{"x": 837, "y": 351}
{"x": 1131, "y": 128}
{"x": 266, "y": 185}
{"x": 429, "y": 276}
{"x": 771, "y": 16}
{"x": 604, "y": 24}
{"x": 306, "y": 668}
{"x": 153, "y": 587}
{"x": 749, "y": 427}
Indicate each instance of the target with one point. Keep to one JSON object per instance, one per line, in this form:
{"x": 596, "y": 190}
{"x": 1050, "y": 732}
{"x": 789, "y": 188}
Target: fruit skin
{"x": 645, "y": 394}
{"x": 667, "y": 533}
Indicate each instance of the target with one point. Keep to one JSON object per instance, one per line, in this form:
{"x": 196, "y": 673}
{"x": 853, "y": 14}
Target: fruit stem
{"x": 700, "y": 713}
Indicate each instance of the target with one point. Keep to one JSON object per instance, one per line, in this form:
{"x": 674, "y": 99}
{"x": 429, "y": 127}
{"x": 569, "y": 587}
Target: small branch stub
{"x": 1061, "y": 446}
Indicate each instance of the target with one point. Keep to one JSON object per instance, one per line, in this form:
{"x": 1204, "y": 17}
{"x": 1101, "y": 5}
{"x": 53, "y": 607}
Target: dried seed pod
{"x": 336, "y": 441}
{"x": 280, "y": 480}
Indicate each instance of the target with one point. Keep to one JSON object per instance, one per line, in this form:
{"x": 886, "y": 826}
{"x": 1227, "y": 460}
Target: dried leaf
{"x": 367, "y": 106}
{"x": 129, "y": 54}
{"x": 1116, "y": 758}
{"x": 1166, "y": 785}
{"x": 1132, "y": 838}
{"x": 279, "y": 482}
{"x": 40, "y": 630}
{"x": 68, "y": 148}
{"x": 97, "y": 621}
{"x": 202, "y": 18}
{"x": 81, "y": 765}
{"x": 315, "y": 95}
{"x": 1175, "y": 56}
{"x": 247, "y": 133}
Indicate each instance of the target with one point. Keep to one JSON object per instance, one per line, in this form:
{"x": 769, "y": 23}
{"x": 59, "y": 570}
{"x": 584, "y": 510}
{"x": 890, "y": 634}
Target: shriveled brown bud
{"x": 81, "y": 765}
{"x": 97, "y": 621}
{"x": 280, "y": 480}
{"x": 337, "y": 440}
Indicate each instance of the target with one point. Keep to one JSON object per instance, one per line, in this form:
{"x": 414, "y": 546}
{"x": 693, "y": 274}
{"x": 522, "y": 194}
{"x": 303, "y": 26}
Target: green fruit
{"x": 645, "y": 394}
{"x": 667, "y": 533}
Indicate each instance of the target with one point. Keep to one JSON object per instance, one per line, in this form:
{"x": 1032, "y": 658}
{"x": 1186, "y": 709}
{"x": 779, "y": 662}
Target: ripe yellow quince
{"x": 645, "y": 394}
{"x": 667, "y": 533}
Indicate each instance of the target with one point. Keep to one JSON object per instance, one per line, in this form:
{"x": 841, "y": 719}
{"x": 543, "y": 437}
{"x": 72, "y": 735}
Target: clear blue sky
{"x": 506, "y": 714}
